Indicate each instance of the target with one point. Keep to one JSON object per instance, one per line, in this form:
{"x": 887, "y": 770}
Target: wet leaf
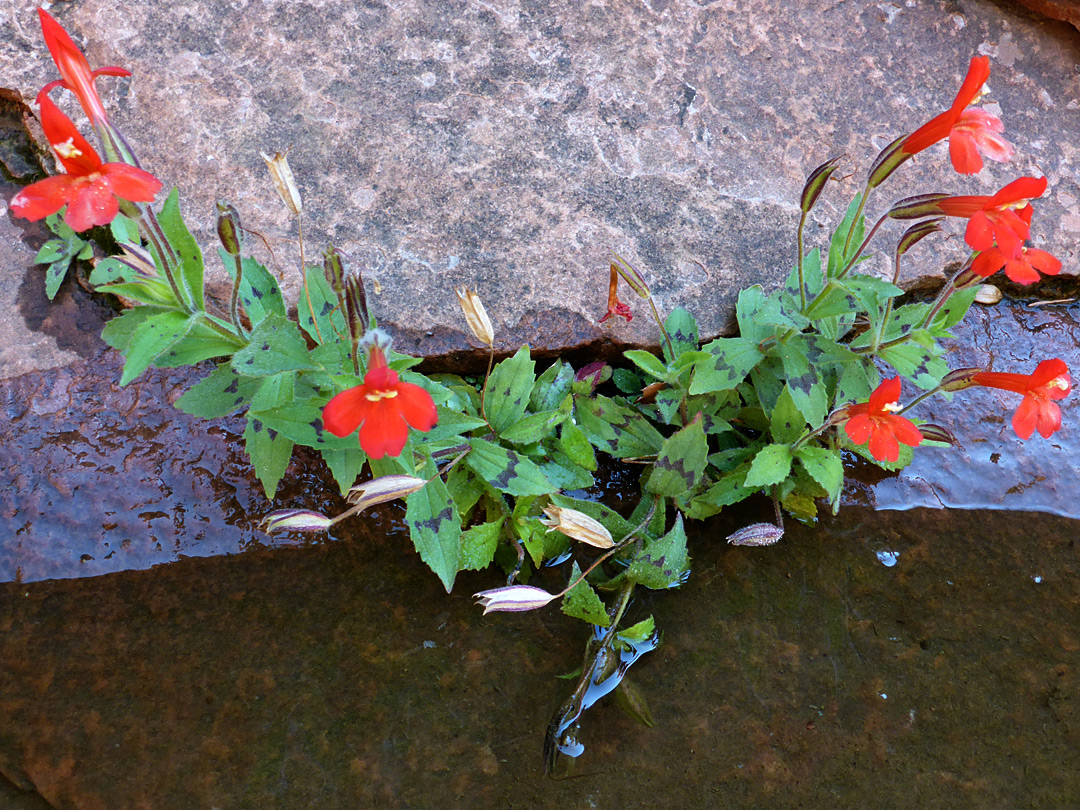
{"x": 583, "y": 603}
{"x": 617, "y": 429}
{"x": 786, "y": 422}
{"x": 681, "y": 461}
{"x": 575, "y": 444}
{"x": 663, "y": 563}
{"x": 435, "y": 527}
{"x": 269, "y": 452}
{"x": 152, "y": 337}
{"x": 552, "y": 386}
{"x": 824, "y": 466}
{"x": 345, "y": 464}
{"x": 630, "y": 698}
{"x": 478, "y": 545}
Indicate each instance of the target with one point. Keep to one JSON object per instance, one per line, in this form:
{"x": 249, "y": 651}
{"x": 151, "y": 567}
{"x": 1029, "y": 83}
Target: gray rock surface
{"x": 510, "y": 146}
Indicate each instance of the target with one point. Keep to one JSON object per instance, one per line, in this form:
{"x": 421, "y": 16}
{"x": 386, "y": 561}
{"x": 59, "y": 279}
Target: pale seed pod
{"x": 284, "y": 183}
{"x": 476, "y": 316}
{"x": 513, "y": 599}
{"x": 295, "y": 520}
{"x": 577, "y": 526}
{"x": 756, "y": 534}
{"x": 384, "y": 489}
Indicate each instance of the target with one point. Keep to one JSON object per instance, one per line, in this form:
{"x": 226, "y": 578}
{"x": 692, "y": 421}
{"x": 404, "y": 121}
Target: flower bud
{"x": 334, "y": 269}
{"x": 888, "y": 161}
{"x": 476, "y": 316}
{"x": 513, "y": 599}
{"x": 295, "y": 520}
{"x": 916, "y": 233}
{"x": 937, "y": 433}
{"x": 917, "y": 207}
{"x": 966, "y": 278}
{"x": 756, "y": 534}
{"x": 631, "y": 276}
{"x": 228, "y": 228}
{"x": 284, "y": 184}
{"x": 577, "y": 526}
{"x": 138, "y": 259}
{"x": 356, "y": 310}
{"x": 383, "y": 489}
{"x": 815, "y": 184}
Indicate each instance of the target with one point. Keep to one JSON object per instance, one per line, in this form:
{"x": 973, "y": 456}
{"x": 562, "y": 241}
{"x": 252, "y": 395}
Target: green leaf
{"x": 835, "y": 299}
{"x": 54, "y": 277}
{"x": 302, "y": 422}
{"x": 953, "y": 311}
{"x": 345, "y": 464}
{"x": 812, "y": 275}
{"x": 732, "y": 359}
{"x": 825, "y": 467}
{"x": 803, "y": 379}
{"x": 125, "y": 229}
{"x": 770, "y": 466}
{"x": 683, "y": 331}
{"x": 328, "y": 315}
{"x": 872, "y": 293}
{"x": 274, "y": 392}
{"x": 917, "y": 359}
{"x": 506, "y": 470}
{"x": 727, "y": 491}
{"x": 269, "y": 452}
{"x": 478, "y": 545}
{"x": 647, "y": 362}
{"x": 838, "y": 258}
{"x": 276, "y": 345}
{"x": 575, "y": 444}
{"x": 187, "y": 249}
{"x": 151, "y": 338}
{"x": 465, "y": 489}
{"x": 581, "y": 602}
{"x": 52, "y": 251}
{"x": 681, "y": 461}
{"x": 663, "y": 563}
{"x": 509, "y": 390}
{"x": 200, "y": 343}
{"x": 616, "y": 429}
{"x": 786, "y": 422}
{"x": 435, "y": 527}
{"x": 534, "y": 428}
{"x": 565, "y": 474}
{"x": 219, "y": 394}
{"x": 119, "y": 331}
{"x": 260, "y": 294}
{"x": 552, "y": 386}
{"x": 146, "y": 291}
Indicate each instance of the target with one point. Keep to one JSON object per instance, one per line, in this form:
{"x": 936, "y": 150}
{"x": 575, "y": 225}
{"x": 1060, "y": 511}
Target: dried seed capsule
{"x": 284, "y": 184}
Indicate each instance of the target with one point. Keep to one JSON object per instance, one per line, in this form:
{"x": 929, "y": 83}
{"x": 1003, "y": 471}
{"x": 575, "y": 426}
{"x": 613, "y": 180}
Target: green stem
{"x": 799, "y": 243}
{"x": 851, "y": 262}
{"x": 164, "y": 255}
{"x": 918, "y": 399}
{"x": 234, "y": 301}
{"x": 858, "y": 214}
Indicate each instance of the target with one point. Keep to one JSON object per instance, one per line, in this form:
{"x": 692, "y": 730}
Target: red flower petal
{"x": 73, "y": 66}
{"x": 75, "y": 152}
{"x": 858, "y": 428}
{"x": 345, "y": 412}
{"x": 131, "y": 182}
{"x": 883, "y": 445}
{"x": 92, "y": 203}
{"x": 416, "y": 406}
{"x": 964, "y": 153}
{"x": 45, "y": 197}
{"x": 384, "y": 431}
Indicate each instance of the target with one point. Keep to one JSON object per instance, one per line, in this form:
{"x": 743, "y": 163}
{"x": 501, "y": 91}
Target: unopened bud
{"x": 513, "y": 599}
{"x": 888, "y": 161}
{"x": 916, "y": 233}
{"x": 228, "y": 228}
{"x": 815, "y": 184}
{"x": 334, "y": 269}
{"x": 631, "y": 276}
{"x": 138, "y": 259}
{"x": 756, "y": 534}
{"x": 295, "y": 520}
{"x": 356, "y": 307}
{"x": 382, "y": 490}
{"x": 577, "y": 526}
{"x": 966, "y": 278}
{"x": 595, "y": 373}
{"x": 476, "y": 316}
{"x": 284, "y": 184}
{"x": 917, "y": 207}
{"x": 937, "y": 433}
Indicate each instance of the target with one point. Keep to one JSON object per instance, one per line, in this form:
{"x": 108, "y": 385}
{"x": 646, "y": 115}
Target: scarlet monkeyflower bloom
{"x": 1003, "y": 219}
{"x": 614, "y": 305}
{"x": 1024, "y": 269}
{"x": 970, "y": 131}
{"x": 384, "y": 408}
{"x": 90, "y": 187}
{"x": 876, "y": 421}
{"x": 75, "y": 69}
{"x": 1038, "y": 411}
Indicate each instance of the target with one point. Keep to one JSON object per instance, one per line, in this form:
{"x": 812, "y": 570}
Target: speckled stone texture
{"x": 510, "y": 146}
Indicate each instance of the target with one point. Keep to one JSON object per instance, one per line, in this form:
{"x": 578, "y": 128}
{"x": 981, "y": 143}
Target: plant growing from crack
{"x": 496, "y": 471}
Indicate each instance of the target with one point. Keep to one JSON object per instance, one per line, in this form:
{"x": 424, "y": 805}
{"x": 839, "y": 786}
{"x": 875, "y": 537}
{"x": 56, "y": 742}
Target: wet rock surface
{"x": 879, "y": 660}
{"x": 511, "y": 146}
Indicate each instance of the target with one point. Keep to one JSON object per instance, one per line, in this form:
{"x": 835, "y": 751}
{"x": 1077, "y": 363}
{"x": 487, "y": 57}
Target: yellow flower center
{"x": 892, "y": 407}
{"x": 1058, "y": 382}
{"x": 67, "y": 149}
{"x": 375, "y": 396}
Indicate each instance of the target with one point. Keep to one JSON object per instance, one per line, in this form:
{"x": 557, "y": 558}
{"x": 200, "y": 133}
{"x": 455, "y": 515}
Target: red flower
{"x": 876, "y": 421}
{"x": 1024, "y": 269}
{"x": 90, "y": 187}
{"x": 76, "y": 72}
{"x": 993, "y": 220}
{"x": 384, "y": 408}
{"x": 614, "y": 305}
{"x": 970, "y": 131}
{"x": 1050, "y": 381}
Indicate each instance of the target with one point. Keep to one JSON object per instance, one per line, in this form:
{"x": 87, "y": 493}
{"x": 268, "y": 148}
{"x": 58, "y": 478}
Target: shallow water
{"x": 883, "y": 659}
